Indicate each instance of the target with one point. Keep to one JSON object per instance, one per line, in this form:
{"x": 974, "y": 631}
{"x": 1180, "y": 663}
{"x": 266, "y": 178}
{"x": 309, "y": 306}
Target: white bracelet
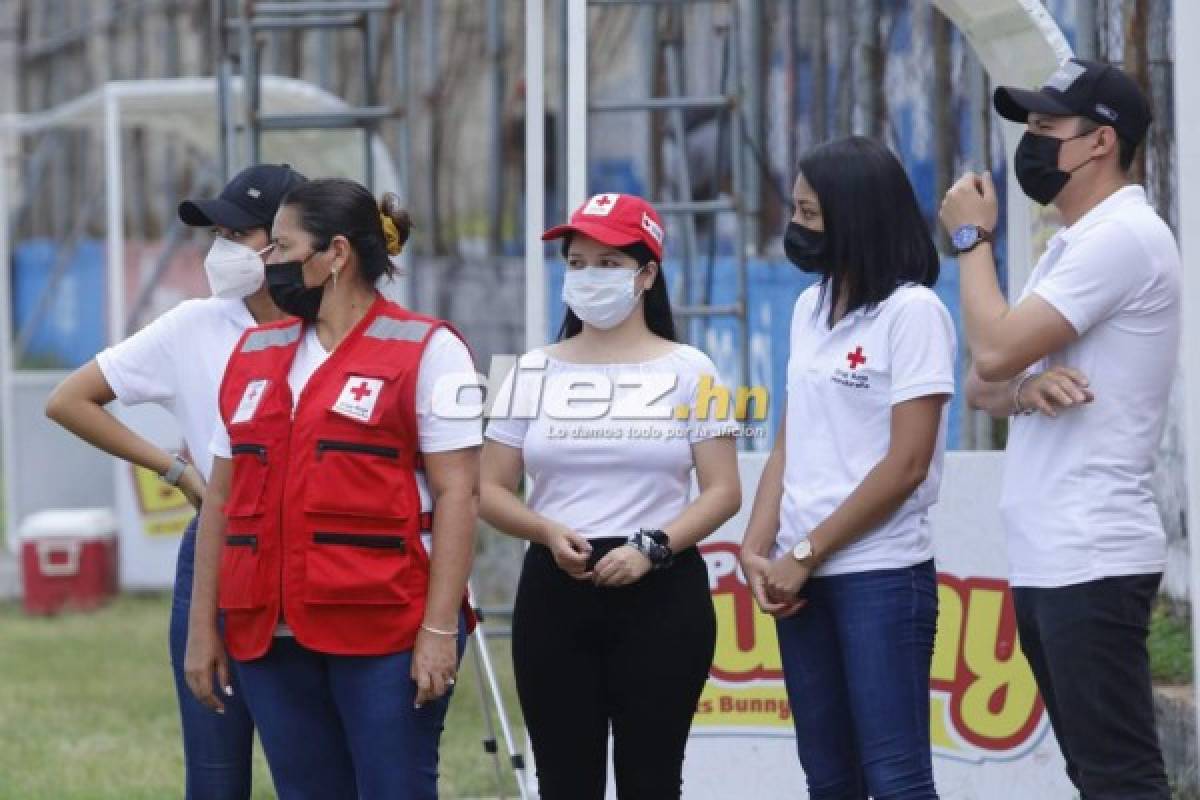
{"x": 1018, "y": 409}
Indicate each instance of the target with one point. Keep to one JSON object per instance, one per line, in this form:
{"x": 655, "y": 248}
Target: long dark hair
{"x": 656, "y": 302}
{"x": 876, "y": 238}
{"x": 332, "y": 207}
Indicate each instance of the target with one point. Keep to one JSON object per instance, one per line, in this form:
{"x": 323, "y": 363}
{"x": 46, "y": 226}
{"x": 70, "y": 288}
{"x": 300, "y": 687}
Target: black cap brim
{"x": 1017, "y": 104}
{"x": 206, "y": 213}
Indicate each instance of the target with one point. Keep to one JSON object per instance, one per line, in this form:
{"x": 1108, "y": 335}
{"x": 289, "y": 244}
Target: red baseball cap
{"x": 617, "y": 220}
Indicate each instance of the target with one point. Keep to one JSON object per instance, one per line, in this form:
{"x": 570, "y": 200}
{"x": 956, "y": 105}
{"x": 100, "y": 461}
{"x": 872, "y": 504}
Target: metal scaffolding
{"x": 696, "y": 303}
{"x": 251, "y": 19}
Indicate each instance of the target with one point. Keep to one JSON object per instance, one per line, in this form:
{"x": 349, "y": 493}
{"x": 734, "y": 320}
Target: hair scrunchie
{"x": 392, "y": 235}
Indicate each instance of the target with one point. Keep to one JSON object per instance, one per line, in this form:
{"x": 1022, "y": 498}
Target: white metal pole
{"x": 7, "y": 411}
{"x": 114, "y": 232}
{"x": 1187, "y": 146}
{"x": 114, "y": 207}
{"x": 577, "y": 103}
{"x": 535, "y": 174}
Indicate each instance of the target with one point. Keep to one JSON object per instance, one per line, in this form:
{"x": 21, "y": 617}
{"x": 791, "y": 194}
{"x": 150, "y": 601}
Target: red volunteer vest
{"x": 323, "y": 511}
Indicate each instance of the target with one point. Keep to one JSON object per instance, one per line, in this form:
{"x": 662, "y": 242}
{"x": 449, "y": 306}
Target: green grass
{"x": 87, "y": 710}
{"x": 1170, "y": 646}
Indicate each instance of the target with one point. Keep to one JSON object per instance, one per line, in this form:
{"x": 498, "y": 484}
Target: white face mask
{"x": 234, "y": 270}
{"x": 603, "y": 297}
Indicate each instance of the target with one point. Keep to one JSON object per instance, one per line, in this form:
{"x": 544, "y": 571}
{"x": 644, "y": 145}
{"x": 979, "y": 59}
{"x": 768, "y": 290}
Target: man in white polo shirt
{"x": 1084, "y": 364}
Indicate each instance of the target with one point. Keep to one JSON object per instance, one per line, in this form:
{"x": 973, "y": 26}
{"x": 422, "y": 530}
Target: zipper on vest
{"x": 360, "y": 540}
{"x": 331, "y": 446}
{"x": 243, "y": 540}
{"x": 251, "y": 450}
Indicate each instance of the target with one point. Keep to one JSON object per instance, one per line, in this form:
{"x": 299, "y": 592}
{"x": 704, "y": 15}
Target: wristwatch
{"x": 654, "y": 545}
{"x": 967, "y": 237}
{"x": 175, "y": 472}
{"x": 803, "y": 552}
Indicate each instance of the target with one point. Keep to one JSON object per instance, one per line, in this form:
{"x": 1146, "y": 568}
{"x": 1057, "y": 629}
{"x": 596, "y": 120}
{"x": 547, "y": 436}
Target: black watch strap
{"x": 655, "y": 545}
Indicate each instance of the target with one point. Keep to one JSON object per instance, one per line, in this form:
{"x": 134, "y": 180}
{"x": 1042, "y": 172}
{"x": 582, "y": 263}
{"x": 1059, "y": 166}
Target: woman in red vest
{"x": 344, "y": 623}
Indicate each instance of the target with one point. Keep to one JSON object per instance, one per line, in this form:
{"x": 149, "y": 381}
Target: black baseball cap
{"x": 1081, "y": 88}
{"x": 250, "y": 200}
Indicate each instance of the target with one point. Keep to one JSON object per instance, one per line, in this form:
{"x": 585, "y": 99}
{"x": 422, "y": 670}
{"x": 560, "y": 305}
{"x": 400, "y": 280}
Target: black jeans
{"x": 1087, "y": 646}
{"x": 636, "y": 657}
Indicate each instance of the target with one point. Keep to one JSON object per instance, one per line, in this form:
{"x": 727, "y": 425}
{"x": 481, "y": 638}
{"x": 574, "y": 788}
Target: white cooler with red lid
{"x": 68, "y": 559}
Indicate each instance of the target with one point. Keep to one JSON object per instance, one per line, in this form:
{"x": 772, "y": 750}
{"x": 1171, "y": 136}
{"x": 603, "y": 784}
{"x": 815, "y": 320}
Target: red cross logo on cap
{"x": 600, "y": 205}
{"x": 856, "y": 359}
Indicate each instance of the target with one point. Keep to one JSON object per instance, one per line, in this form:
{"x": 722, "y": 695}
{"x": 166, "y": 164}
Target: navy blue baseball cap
{"x": 250, "y": 200}
{"x": 1080, "y": 88}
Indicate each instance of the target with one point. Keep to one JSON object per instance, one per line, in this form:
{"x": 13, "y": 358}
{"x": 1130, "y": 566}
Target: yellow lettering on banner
{"x": 984, "y": 694}
{"x": 743, "y": 707}
{"x": 983, "y": 699}
{"x": 949, "y": 635}
{"x": 747, "y": 645}
{"x": 940, "y": 738}
{"x": 999, "y": 703}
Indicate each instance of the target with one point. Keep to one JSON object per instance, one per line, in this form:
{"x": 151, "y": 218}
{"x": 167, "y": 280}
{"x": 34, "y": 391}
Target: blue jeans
{"x": 217, "y": 748}
{"x": 344, "y": 726}
{"x": 856, "y": 665}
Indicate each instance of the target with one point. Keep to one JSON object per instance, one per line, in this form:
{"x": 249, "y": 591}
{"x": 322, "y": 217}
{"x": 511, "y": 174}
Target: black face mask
{"x": 806, "y": 249}
{"x": 1036, "y": 165}
{"x": 285, "y": 282}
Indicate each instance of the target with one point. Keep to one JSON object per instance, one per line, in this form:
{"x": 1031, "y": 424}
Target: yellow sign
{"x": 984, "y": 704}
{"x": 164, "y": 509}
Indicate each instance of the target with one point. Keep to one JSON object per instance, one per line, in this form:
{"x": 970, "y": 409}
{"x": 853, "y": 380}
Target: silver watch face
{"x": 802, "y": 550}
{"x": 965, "y": 236}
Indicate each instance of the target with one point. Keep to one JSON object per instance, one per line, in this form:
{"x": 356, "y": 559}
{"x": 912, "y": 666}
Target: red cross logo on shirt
{"x": 857, "y": 359}
{"x": 360, "y": 392}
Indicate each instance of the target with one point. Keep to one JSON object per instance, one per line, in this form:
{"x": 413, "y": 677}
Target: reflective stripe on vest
{"x": 275, "y": 337}
{"x": 403, "y": 330}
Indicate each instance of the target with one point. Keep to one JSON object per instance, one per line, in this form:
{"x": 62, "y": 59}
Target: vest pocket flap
{"x": 359, "y": 479}
{"x": 247, "y": 489}
{"x": 356, "y": 569}
{"x": 239, "y": 586}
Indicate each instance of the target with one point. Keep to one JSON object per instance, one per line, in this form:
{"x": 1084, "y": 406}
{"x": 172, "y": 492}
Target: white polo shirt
{"x": 1077, "y": 500}
{"x": 177, "y": 362}
{"x": 841, "y": 386}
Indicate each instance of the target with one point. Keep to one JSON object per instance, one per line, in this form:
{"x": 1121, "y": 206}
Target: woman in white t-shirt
{"x": 177, "y": 362}
{"x": 838, "y": 548}
{"x": 613, "y": 623}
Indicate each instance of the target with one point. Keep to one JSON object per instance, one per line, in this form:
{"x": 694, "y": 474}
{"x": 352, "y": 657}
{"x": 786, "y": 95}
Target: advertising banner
{"x": 990, "y": 734}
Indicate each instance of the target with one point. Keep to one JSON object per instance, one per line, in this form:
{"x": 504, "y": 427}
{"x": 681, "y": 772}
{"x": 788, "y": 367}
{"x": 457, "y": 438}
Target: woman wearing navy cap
{"x": 345, "y": 625}
{"x": 177, "y": 362}
{"x": 613, "y": 624}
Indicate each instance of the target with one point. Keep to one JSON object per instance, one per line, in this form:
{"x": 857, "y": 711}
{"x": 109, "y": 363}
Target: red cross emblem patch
{"x": 358, "y": 398}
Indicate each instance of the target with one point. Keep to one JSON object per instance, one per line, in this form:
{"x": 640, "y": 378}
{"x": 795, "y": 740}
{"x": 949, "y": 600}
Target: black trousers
{"x": 1087, "y": 646}
{"x": 634, "y": 657}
